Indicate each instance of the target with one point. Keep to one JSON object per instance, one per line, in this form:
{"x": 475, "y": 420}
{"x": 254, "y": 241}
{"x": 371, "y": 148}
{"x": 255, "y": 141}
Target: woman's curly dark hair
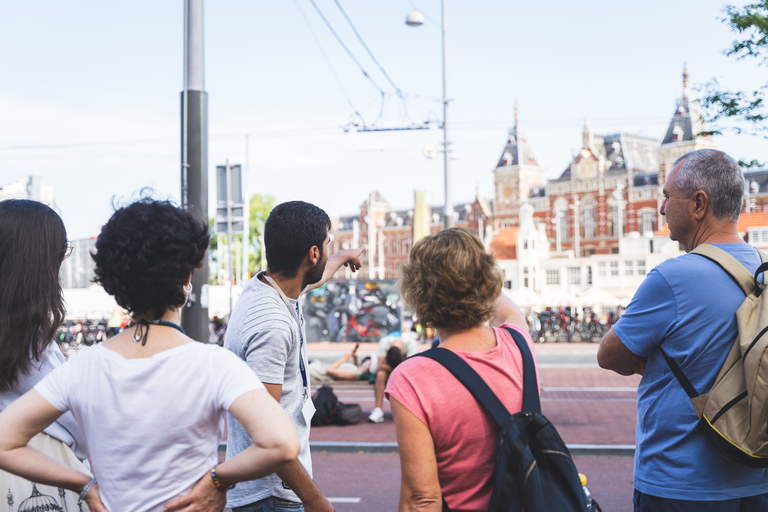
{"x": 146, "y": 252}
{"x": 450, "y": 281}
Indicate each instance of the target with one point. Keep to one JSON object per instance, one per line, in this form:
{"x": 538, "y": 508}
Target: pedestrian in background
{"x": 392, "y": 350}
{"x": 33, "y": 244}
{"x": 150, "y": 401}
{"x": 446, "y": 439}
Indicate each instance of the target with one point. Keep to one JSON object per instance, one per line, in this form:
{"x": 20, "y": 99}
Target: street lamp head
{"x": 414, "y": 19}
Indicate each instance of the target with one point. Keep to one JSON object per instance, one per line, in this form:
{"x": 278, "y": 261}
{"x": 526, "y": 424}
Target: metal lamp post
{"x": 416, "y": 19}
{"x": 194, "y": 159}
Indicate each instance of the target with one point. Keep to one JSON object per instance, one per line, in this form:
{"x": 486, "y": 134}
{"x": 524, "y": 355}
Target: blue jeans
{"x": 271, "y": 504}
{"x": 648, "y": 503}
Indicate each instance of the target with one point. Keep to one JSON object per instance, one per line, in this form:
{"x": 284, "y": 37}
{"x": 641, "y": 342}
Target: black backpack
{"x": 325, "y": 403}
{"x": 533, "y": 469}
{"x": 329, "y": 411}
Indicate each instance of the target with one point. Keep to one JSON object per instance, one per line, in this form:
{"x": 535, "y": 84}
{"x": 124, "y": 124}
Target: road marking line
{"x": 344, "y": 500}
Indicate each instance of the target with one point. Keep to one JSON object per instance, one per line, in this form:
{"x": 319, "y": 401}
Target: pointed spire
{"x": 589, "y": 140}
{"x": 517, "y": 116}
{"x": 686, "y": 124}
{"x": 517, "y": 151}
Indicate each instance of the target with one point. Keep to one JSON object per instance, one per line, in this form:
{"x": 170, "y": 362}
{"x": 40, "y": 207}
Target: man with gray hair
{"x": 686, "y": 306}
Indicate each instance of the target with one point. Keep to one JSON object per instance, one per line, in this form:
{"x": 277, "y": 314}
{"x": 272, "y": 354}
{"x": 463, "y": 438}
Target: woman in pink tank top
{"x": 445, "y": 438}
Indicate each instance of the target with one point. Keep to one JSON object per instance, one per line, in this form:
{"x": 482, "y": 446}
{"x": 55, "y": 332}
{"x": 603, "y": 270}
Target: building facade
{"x": 33, "y": 189}
{"x": 388, "y": 233}
{"x": 597, "y": 225}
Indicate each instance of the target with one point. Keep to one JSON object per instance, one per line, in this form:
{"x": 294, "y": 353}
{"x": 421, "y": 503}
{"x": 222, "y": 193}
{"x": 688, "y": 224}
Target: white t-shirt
{"x": 64, "y": 429}
{"x": 151, "y": 425}
{"x": 410, "y": 345}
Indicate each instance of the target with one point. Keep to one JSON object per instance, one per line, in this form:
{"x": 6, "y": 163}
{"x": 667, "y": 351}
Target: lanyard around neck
{"x": 298, "y": 323}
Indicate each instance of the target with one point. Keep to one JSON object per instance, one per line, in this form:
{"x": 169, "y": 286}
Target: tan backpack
{"x": 734, "y": 414}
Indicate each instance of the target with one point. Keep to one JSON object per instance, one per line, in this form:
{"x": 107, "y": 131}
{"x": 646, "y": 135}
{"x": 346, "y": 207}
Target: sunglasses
{"x": 68, "y": 248}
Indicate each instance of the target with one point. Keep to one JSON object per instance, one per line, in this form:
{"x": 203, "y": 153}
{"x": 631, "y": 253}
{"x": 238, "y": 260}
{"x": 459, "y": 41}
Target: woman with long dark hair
{"x": 33, "y": 244}
{"x": 151, "y": 401}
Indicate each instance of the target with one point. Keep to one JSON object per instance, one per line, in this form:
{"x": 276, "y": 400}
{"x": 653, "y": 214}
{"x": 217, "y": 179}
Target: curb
{"x": 602, "y": 449}
{"x": 389, "y": 447}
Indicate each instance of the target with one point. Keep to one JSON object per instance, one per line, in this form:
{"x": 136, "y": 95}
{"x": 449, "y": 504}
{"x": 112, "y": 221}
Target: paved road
{"x": 588, "y": 405}
{"x": 371, "y": 482}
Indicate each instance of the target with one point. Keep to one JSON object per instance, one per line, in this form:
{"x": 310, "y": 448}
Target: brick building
{"x": 597, "y": 223}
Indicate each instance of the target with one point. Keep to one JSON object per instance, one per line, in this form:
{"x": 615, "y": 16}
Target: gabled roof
{"x": 752, "y": 220}
{"x": 620, "y": 152}
{"x": 504, "y": 244}
{"x": 485, "y": 207}
{"x": 746, "y": 220}
{"x": 517, "y": 152}
{"x": 686, "y": 123}
{"x": 377, "y": 198}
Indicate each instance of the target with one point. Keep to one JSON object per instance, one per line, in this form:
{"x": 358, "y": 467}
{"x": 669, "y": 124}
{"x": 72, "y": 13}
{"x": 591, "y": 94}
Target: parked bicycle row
{"x": 569, "y": 325}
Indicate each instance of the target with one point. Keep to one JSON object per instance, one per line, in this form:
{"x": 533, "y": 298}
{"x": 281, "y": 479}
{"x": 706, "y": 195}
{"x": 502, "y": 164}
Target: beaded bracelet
{"x": 217, "y": 482}
{"x": 87, "y": 488}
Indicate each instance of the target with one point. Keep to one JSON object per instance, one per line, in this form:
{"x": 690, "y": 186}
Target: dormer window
{"x": 677, "y": 133}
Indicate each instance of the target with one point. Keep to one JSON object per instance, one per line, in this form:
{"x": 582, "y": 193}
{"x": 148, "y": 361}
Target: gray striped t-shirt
{"x": 266, "y": 336}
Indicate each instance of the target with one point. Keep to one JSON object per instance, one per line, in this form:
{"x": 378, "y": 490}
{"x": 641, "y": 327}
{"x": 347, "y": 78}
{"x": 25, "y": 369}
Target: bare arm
{"x": 349, "y": 258}
{"x": 506, "y": 312}
{"x": 383, "y": 365}
{"x": 419, "y": 485}
{"x": 21, "y": 421}
{"x": 614, "y": 355}
{"x": 296, "y": 477}
{"x": 334, "y": 372}
{"x": 275, "y": 444}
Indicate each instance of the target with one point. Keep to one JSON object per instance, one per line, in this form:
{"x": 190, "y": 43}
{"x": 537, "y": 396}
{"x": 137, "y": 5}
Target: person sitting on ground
{"x": 34, "y": 245}
{"x": 341, "y": 369}
{"x": 445, "y": 438}
{"x": 393, "y": 350}
{"x": 150, "y": 401}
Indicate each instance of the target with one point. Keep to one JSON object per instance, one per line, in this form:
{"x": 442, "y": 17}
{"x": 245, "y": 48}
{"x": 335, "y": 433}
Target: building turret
{"x": 516, "y": 172}
{"x": 684, "y": 134}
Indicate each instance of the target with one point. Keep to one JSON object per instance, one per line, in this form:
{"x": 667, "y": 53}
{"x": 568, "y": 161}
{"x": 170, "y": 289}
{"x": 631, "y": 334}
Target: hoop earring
{"x": 187, "y": 290}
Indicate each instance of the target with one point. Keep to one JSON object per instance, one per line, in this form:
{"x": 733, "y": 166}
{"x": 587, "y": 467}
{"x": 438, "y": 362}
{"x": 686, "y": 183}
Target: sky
{"x": 90, "y": 95}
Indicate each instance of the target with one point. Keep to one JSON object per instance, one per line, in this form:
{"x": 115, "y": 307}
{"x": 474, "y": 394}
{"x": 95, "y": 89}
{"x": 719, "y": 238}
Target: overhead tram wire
{"x": 368, "y": 50}
{"x": 327, "y": 61}
{"x": 398, "y": 91}
{"x": 362, "y": 69}
{"x": 271, "y": 134}
{"x": 351, "y": 56}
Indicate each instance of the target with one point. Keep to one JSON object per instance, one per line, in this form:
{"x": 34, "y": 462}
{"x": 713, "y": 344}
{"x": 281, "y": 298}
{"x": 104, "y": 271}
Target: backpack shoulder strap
{"x": 531, "y": 402}
{"x": 731, "y": 265}
{"x": 739, "y": 273}
{"x": 480, "y": 390}
{"x": 471, "y": 380}
{"x": 680, "y": 376}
